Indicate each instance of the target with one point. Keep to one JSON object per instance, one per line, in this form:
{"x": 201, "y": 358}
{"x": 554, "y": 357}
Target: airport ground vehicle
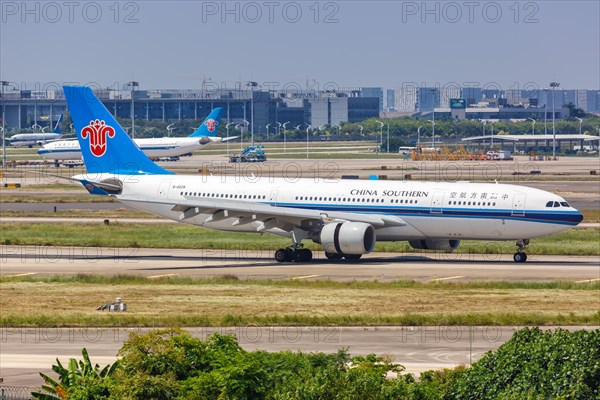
{"x": 249, "y": 154}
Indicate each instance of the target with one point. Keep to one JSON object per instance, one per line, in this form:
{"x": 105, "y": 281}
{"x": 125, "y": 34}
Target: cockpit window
{"x": 564, "y": 204}
{"x": 549, "y": 204}
{"x": 556, "y": 204}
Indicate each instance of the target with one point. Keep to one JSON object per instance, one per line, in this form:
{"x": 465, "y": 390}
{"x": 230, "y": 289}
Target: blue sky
{"x": 178, "y": 44}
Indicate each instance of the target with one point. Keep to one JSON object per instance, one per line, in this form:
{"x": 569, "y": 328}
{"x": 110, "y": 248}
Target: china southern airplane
{"x": 346, "y": 217}
{"x": 37, "y": 139}
{"x": 152, "y": 147}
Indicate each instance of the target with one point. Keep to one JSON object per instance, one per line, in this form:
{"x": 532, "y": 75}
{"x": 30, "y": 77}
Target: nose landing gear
{"x": 520, "y": 255}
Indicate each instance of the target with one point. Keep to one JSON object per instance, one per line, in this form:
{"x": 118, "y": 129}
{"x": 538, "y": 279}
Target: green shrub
{"x": 536, "y": 364}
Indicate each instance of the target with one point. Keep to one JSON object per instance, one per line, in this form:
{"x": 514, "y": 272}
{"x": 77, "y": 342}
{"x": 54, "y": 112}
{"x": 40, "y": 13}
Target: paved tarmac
{"x": 27, "y": 351}
{"x": 252, "y": 264}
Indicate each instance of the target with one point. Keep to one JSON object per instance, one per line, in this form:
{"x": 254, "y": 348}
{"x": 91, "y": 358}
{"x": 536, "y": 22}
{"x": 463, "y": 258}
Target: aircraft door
{"x": 163, "y": 189}
{"x": 437, "y": 202}
{"x": 273, "y": 196}
{"x": 518, "y": 208}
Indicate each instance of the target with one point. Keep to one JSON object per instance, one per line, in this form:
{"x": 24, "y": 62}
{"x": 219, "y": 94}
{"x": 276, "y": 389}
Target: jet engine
{"x": 434, "y": 244}
{"x": 348, "y": 238}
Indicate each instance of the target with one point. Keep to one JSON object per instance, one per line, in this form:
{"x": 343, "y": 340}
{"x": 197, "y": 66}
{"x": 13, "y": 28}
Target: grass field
{"x": 584, "y": 241}
{"x": 63, "y": 301}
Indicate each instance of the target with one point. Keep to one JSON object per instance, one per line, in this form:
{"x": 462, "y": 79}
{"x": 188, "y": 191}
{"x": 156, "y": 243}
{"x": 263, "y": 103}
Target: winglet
{"x": 58, "y": 126}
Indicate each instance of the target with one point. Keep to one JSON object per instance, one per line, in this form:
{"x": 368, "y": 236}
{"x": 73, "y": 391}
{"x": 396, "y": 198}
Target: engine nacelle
{"x": 348, "y": 238}
{"x": 434, "y": 244}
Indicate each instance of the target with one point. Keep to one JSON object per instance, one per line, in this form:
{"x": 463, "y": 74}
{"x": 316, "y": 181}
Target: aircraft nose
{"x": 578, "y": 217}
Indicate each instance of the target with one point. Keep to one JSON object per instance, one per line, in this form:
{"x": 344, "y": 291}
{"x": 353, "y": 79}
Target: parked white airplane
{"x": 37, "y": 139}
{"x": 152, "y": 147}
{"x": 345, "y": 217}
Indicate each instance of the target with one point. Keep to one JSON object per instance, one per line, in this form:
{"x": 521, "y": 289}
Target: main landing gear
{"x": 293, "y": 254}
{"x": 520, "y": 255}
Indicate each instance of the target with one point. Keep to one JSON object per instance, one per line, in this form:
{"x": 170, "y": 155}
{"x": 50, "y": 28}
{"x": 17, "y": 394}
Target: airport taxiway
{"x": 259, "y": 264}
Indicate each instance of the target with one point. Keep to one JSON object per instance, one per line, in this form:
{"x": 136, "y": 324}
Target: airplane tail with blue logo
{"x": 210, "y": 125}
{"x": 105, "y": 146}
{"x": 58, "y": 126}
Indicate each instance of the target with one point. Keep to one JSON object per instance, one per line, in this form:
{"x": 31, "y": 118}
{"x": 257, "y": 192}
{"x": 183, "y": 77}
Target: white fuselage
{"x": 152, "y": 147}
{"x": 32, "y": 139}
{"x": 431, "y": 210}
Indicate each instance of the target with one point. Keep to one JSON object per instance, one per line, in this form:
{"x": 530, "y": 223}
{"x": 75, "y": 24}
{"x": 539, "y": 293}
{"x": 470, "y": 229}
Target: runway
{"x": 27, "y": 351}
{"x": 253, "y": 264}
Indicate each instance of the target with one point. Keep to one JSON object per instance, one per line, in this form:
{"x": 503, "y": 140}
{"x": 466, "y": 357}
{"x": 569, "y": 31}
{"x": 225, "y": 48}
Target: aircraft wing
{"x": 285, "y": 218}
{"x": 218, "y": 139}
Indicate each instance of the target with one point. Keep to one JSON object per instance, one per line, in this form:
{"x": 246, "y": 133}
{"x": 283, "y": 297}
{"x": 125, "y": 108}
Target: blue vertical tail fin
{"x": 210, "y": 125}
{"x": 105, "y": 146}
{"x": 58, "y": 126}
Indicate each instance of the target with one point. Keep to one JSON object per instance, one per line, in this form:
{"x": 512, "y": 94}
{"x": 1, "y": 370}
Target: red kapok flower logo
{"x": 98, "y": 131}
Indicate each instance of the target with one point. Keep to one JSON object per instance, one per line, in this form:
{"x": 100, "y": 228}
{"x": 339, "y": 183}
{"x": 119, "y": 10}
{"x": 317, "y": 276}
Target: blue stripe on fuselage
{"x": 563, "y": 218}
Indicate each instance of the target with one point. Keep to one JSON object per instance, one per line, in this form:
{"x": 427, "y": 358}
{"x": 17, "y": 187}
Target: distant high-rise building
{"x": 406, "y": 98}
{"x": 472, "y": 95}
{"x": 593, "y": 101}
{"x": 373, "y": 92}
{"x": 428, "y": 98}
{"x": 390, "y": 100}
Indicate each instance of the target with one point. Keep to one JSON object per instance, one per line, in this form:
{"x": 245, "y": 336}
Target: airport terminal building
{"x": 261, "y": 108}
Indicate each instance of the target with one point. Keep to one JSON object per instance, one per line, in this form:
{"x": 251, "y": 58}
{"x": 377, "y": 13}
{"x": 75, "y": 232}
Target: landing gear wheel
{"x": 520, "y": 257}
{"x": 283, "y": 255}
{"x": 352, "y": 256}
{"x": 303, "y": 255}
{"x": 333, "y": 256}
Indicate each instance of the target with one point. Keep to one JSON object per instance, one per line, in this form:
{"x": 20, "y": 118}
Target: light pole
{"x": 432, "y": 133}
{"x": 307, "y": 130}
{"x": 580, "y": 122}
{"x": 241, "y": 129}
{"x": 361, "y": 129}
{"x": 381, "y": 124}
{"x": 284, "y": 135}
{"x": 246, "y": 123}
{"x": 170, "y": 129}
{"x": 227, "y": 142}
{"x": 133, "y": 85}
{"x": 268, "y": 125}
{"x": 492, "y": 133}
{"x": 554, "y": 85}
{"x": 419, "y": 137}
{"x": 388, "y": 138}
{"x": 279, "y": 124}
{"x": 532, "y": 125}
{"x": 252, "y": 85}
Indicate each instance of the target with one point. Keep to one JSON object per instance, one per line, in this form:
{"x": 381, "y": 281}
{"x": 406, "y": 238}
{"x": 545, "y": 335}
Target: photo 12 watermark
{"x": 54, "y": 12}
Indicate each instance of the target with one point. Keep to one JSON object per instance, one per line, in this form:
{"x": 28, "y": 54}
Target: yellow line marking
{"x": 588, "y": 280}
{"x": 161, "y": 276}
{"x": 447, "y": 278}
{"x": 305, "y": 277}
{"x": 25, "y": 274}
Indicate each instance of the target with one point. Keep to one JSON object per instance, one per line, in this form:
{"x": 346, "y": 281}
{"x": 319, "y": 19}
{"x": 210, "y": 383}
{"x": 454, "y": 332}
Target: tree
{"x": 574, "y": 112}
{"x": 80, "y": 380}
